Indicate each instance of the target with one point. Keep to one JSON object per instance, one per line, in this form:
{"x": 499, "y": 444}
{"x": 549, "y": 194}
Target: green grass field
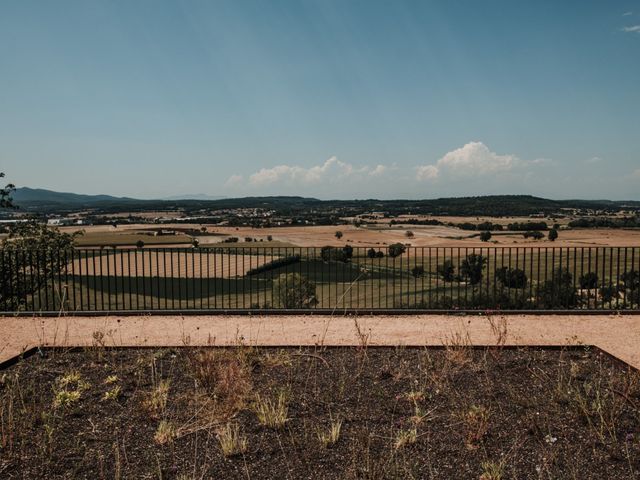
{"x": 362, "y": 283}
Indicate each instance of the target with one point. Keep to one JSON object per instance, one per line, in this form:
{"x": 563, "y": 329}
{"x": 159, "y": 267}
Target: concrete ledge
{"x": 618, "y": 335}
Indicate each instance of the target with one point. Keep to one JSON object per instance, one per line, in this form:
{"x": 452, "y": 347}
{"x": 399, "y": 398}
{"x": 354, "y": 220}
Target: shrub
{"x": 609, "y": 293}
{"x": 535, "y": 234}
{"x": 589, "y": 280}
{"x": 408, "y": 234}
{"x": 371, "y": 253}
{"x": 417, "y": 271}
{"x": 471, "y": 268}
{"x": 512, "y": 277}
{"x": 335, "y": 254}
{"x": 528, "y": 226}
{"x": 485, "y": 236}
{"x": 292, "y": 290}
{"x": 379, "y": 254}
{"x": 447, "y": 271}
{"x": 348, "y": 251}
{"x": 558, "y": 291}
{"x": 139, "y": 244}
{"x": 553, "y": 234}
{"x": 269, "y": 238}
{"x": 338, "y": 234}
{"x": 396, "y": 249}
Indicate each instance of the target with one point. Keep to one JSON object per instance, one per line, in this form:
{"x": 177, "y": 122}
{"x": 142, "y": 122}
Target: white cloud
{"x": 593, "y": 160}
{"x": 233, "y": 180}
{"x": 427, "y": 172}
{"x": 378, "y": 170}
{"x": 631, "y": 29}
{"x": 474, "y": 158}
{"x": 293, "y": 173}
{"x": 626, "y": 14}
{"x": 330, "y": 171}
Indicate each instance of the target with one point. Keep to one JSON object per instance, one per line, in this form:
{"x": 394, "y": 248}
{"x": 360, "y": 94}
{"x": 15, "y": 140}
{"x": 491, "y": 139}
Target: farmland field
{"x": 366, "y": 235}
{"x": 230, "y": 277}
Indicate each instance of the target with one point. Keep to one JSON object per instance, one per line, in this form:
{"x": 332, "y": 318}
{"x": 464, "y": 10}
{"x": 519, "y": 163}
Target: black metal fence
{"x": 324, "y": 279}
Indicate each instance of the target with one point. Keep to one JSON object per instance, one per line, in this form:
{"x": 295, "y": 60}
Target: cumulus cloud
{"x": 474, "y": 158}
{"x": 378, "y": 170}
{"x": 593, "y": 160}
{"x": 626, "y": 14}
{"x": 330, "y": 171}
{"x": 427, "y": 172}
{"x": 631, "y": 29}
{"x": 233, "y": 180}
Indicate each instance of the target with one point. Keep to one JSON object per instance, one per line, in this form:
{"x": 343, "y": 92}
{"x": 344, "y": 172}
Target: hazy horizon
{"x": 327, "y": 99}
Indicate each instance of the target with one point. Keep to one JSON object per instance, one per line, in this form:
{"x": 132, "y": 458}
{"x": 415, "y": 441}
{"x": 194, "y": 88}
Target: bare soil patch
{"x": 362, "y": 412}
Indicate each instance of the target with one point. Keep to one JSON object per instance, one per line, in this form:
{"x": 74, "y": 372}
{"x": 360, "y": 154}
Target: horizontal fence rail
{"x": 392, "y": 277}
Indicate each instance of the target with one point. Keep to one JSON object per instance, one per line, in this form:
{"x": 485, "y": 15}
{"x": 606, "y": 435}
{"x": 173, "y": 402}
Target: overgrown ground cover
{"x": 360, "y": 412}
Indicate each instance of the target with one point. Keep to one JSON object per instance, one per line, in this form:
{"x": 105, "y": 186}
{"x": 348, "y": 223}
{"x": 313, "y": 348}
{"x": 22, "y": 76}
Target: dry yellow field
{"x": 381, "y": 235}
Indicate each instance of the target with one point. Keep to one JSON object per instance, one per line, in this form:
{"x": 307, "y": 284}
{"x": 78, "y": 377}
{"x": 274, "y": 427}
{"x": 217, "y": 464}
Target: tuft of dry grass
{"x": 492, "y": 470}
{"x": 405, "y": 438}
{"x": 475, "y": 422}
{"x": 272, "y": 413}
{"x": 165, "y": 433}
{"x": 225, "y": 373}
{"x": 329, "y": 437}
{"x": 155, "y": 402}
{"x": 232, "y": 441}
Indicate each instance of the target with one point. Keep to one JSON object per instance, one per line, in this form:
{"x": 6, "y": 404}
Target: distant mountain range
{"x": 195, "y": 196}
{"x": 26, "y": 195}
{"x": 48, "y": 201}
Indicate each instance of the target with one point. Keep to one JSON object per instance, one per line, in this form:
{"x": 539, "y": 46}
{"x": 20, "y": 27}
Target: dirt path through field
{"x": 618, "y": 335}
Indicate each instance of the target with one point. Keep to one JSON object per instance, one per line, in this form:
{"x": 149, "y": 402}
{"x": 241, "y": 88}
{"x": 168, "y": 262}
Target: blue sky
{"x": 333, "y": 99}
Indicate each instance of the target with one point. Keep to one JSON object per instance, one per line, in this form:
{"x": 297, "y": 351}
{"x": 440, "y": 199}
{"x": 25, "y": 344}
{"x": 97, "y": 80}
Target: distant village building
{"x": 63, "y": 222}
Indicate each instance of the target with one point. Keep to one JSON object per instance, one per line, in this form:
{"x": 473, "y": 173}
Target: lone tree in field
{"x": 408, "y": 234}
{"x": 471, "y": 268}
{"x": 396, "y": 249}
{"x": 485, "y": 236}
{"x": 139, "y": 244}
{"x": 553, "y": 234}
{"x": 292, "y": 290}
{"x": 338, "y": 234}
